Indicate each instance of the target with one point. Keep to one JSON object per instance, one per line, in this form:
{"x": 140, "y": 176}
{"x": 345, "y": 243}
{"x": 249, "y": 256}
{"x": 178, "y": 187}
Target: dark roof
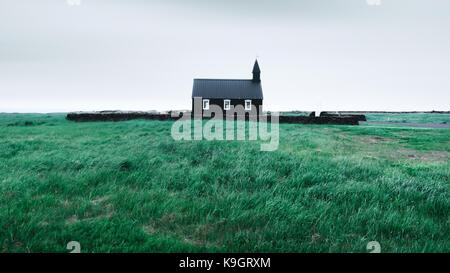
{"x": 227, "y": 89}
{"x": 256, "y": 68}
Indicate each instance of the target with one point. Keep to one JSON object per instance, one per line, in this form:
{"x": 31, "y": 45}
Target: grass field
{"x": 435, "y": 118}
{"x": 128, "y": 187}
{"x": 411, "y": 118}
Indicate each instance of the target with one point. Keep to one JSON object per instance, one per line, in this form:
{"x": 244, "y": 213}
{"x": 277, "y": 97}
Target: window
{"x": 226, "y": 104}
{"x": 205, "y": 104}
{"x": 248, "y": 104}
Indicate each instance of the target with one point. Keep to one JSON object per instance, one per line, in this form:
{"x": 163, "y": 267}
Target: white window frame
{"x": 207, "y": 104}
{"x": 245, "y": 105}
{"x": 224, "y": 104}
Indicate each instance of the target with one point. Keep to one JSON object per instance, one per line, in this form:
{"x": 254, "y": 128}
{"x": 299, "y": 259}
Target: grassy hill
{"x": 129, "y": 187}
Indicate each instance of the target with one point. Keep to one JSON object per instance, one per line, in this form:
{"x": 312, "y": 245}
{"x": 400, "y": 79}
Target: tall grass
{"x": 128, "y": 187}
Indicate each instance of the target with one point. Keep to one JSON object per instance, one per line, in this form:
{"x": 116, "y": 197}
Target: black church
{"x": 230, "y": 92}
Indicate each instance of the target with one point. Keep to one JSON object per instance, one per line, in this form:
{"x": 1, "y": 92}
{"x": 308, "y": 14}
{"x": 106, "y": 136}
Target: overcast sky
{"x": 143, "y": 55}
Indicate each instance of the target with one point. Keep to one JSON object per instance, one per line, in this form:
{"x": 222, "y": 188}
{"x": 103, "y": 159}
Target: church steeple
{"x": 256, "y": 72}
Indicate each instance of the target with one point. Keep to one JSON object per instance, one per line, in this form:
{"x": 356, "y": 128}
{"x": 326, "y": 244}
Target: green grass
{"x": 387, "y": 117}
{"x": 411, "y": 118}
{"x": 398, "y": 117}
{"x": 128, "y": 187}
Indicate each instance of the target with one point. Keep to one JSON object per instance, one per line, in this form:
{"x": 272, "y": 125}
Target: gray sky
{"x": 143, "y": 55}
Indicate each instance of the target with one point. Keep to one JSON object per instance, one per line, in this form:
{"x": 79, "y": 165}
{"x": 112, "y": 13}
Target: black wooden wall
{"x": 256, "y": 103}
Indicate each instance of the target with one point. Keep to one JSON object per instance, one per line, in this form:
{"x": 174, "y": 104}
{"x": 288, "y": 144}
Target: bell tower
{"x": 256, "y": 73}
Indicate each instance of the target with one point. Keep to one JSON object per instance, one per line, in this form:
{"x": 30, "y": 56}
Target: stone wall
{"x": 118, "y": 116}
{"x": 123, "y": 116}
{"x": 359, "y": 117}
